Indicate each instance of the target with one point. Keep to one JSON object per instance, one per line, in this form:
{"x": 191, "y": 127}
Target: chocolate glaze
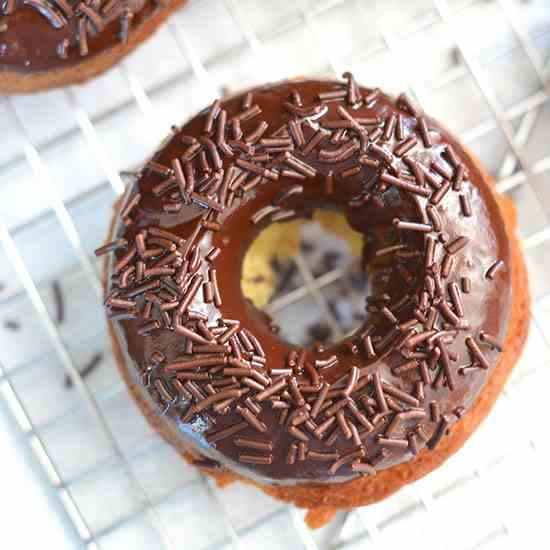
{"x": 486, "y": 307}
{"x": 30, "y": 35}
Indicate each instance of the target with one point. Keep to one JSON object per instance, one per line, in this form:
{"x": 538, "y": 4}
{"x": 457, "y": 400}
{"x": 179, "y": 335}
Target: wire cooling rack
{"x": 480, "y": 66}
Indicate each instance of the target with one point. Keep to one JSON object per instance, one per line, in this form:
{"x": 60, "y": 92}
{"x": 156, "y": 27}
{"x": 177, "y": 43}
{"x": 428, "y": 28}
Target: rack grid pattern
{"x": 481, "y": 66}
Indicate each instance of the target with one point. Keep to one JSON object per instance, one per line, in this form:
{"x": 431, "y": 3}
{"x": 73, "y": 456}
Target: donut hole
{"x": 287, "y": 257}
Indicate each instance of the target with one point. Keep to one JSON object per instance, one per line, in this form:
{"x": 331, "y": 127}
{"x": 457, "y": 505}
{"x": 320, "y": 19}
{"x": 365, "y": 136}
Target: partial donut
{"x": 443, "y": 326}
{"x": 50, "y": 43}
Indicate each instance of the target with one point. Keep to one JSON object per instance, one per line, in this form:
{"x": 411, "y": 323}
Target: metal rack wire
{"x": 158, "y": 502}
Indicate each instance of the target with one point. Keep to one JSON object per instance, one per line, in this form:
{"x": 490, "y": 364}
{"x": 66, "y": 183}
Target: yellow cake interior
{"x": 282, "y": 241}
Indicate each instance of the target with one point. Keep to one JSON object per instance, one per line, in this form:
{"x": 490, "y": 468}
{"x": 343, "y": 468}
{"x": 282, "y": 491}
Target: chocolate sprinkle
{"x": 322, "y": 455}
{"x": 346, "y": 459}
{"x": 491, "y": 340}
{"x": 111, "y": 247}
{"x": 458, "y": 244}
{"x": 476, "y": 352}
{"x": 492, "y": 271}
{"x": 465, "y": 205}
{"x": 439, "y": 433}
{"x": 92, "y": 364}
{"x": 59, "y": 302}
{"x": 13, "y": 325}
{"x": 253, "y": 443}
{"x": 424, "y": 132}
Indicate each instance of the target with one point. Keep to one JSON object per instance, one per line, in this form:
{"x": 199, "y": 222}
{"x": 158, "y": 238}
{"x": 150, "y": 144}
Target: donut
{"x": 445, "y": 320}
{"x": 50, "y": 43}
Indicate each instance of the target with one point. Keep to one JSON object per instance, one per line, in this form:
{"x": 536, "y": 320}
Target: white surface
{"x": 30, "y": 510}
{"x": 124, "y": 488}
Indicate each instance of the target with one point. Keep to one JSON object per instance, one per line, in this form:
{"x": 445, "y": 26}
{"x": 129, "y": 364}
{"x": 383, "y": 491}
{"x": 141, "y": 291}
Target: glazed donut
{"x": 50, "y": 43}
{"x": 444, "y": 322}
